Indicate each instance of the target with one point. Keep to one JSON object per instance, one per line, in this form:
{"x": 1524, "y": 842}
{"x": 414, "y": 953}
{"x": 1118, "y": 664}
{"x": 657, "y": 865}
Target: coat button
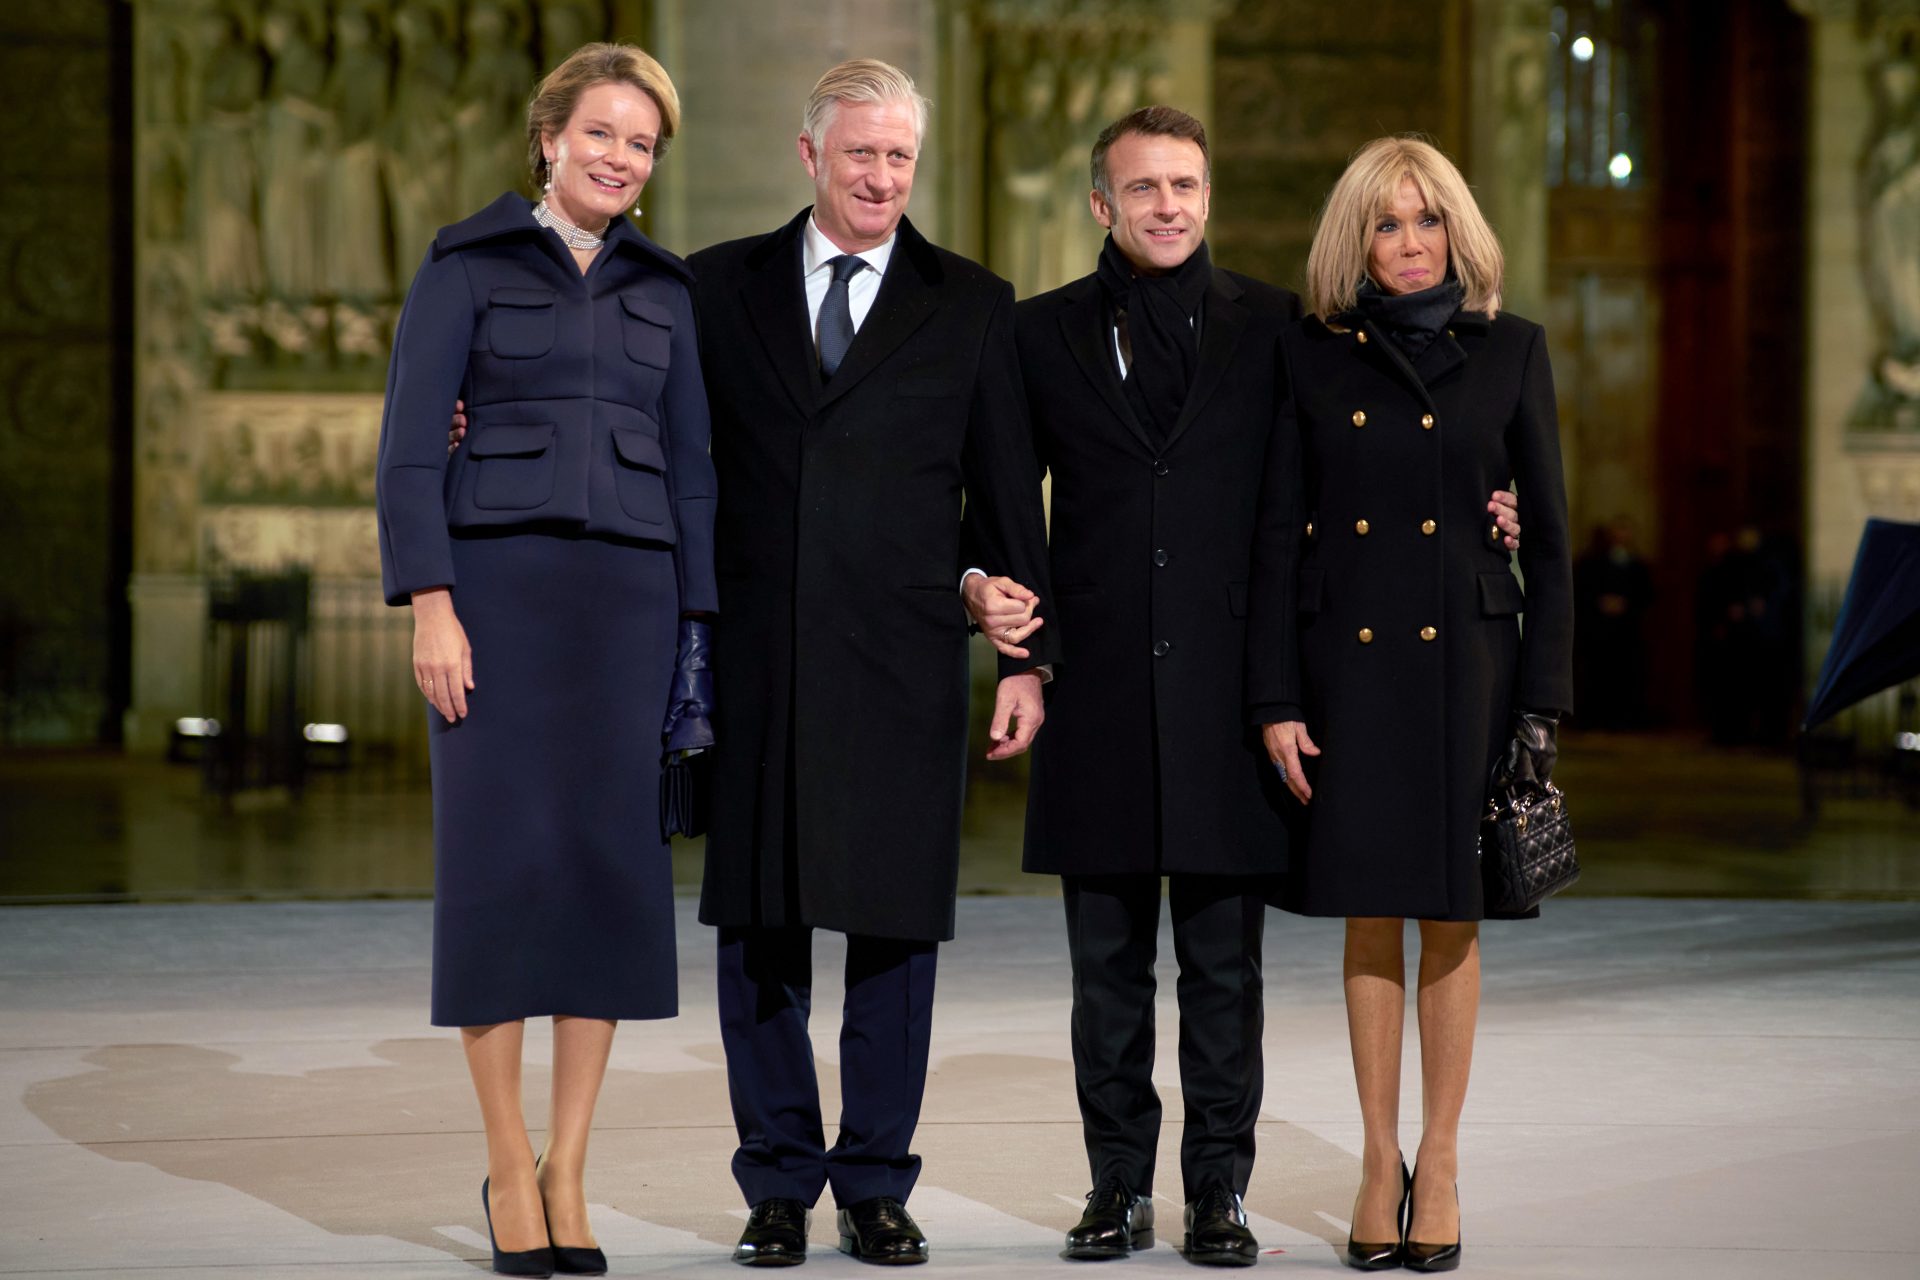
{"x": 1362, "y": 335}
{"x": 1494, "y": 533}
{"x": 1309, "y": 528}
{"x": 1428, "y": 633}
{"x": 1161, "y": 648}
{"x": 1160, "y": 557}
{"x": 1426, "y": 422}
{"x": 1360, "y": 527}
{"x": 1366, "y": 635}
{"x": 1427, "y": 527}
{"x": 1359, "y": 418}
{"x": 1159, "y": 467}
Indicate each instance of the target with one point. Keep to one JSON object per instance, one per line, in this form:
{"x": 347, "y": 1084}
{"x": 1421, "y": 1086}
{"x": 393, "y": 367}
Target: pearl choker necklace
{"x": 576, "y": 237}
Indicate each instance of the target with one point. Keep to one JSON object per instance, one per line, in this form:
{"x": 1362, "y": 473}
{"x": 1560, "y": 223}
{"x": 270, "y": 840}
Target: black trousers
{"x": 765, "y": 993}
{"x": 1112, "y": 929}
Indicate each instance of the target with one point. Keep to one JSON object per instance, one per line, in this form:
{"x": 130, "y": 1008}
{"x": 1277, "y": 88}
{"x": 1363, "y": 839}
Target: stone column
{"x": 1506, "y": 143}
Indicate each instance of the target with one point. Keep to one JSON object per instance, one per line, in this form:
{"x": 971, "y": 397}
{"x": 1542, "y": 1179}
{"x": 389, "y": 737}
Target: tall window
{"x": 1599, "y": 91}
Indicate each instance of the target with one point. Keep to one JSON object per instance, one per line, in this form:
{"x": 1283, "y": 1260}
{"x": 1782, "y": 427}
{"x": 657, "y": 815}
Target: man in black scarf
{"x": 1152, "y": 384}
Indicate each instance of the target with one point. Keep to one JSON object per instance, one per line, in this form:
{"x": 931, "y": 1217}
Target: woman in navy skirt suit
{"x": 555, "y": 566}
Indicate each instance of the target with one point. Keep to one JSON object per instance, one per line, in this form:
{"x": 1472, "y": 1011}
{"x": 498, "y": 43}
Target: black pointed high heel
{"x": 1428, "y": 1257}
{"x": 569, "y": 1259}
{"x": 526, "y": 1262}
{"x": 1363, "y": 1256}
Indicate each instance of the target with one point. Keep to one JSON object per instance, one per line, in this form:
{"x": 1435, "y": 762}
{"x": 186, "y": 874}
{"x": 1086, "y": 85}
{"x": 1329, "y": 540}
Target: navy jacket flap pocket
{"x": 926, "y": 387}
{"x": 1313, "y": 585}
{"x": 511, "y": 296}
{"x": 639, "y": 449}
{"x": 641, "y": 307}
{"x": 511, "y": 440}
{"x": 648, "y": 335}
{"x": 1500, "y": 595}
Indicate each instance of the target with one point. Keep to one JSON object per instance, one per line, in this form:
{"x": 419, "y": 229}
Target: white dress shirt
{"x": 816, "y": 252}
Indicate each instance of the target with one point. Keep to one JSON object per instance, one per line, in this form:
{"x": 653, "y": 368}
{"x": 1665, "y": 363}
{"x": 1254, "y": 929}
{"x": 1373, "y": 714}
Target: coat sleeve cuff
{"x": 1274, "y": 713}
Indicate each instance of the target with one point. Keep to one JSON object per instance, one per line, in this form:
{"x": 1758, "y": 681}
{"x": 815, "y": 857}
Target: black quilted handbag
{"x": 1526, "y": 849}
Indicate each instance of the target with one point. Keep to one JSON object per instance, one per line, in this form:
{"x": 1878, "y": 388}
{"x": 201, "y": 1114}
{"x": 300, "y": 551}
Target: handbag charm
{"x": 1526, "y": 849}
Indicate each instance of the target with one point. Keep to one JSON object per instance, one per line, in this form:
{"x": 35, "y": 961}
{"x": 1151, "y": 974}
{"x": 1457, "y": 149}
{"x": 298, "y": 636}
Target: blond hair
{"x": 553, "y": 103}
{"x": 861, "y": 80}
{"x": 1337, "y": 262}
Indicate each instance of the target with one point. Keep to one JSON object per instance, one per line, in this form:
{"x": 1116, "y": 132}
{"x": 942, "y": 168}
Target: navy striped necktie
{"x": 836, "y": 314}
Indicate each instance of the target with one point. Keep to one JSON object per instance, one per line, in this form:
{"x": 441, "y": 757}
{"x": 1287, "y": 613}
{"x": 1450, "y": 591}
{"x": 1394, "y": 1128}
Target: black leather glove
{"x": 1527, "y": 764}
{"x": 690, "y": 703}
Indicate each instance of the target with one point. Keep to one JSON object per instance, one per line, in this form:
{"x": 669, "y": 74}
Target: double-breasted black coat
{"x": 1149, "y": 761}
{"x": 840, "y": 655}
{"x": 1412, "y": 653}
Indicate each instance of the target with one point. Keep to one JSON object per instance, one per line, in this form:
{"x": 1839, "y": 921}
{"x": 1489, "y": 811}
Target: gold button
{"x": 1362, "y": 335}
{"x": 1428, "y": 633}
{"x": 1309, "y": 528}
{"x": 1366, "y": 635}
{"x": 1426, "y": 422}
{"x": 1494, "y": 533}
{"x": 1428, "y": 526}
{"x": 1360, "y": 527}
{"x": 1449, "y": 333}
{"x": 1359, "y": 418}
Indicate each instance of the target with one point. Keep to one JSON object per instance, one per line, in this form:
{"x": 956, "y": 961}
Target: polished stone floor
{"x": 1662, "y": 1088}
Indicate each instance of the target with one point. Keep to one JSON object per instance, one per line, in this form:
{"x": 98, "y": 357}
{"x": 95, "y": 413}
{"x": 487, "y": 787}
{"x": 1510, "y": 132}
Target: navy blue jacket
{"x": 585, "y": 403}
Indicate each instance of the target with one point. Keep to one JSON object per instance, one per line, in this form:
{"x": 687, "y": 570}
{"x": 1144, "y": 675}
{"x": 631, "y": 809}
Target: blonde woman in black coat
{"x": 1415, "y": 396}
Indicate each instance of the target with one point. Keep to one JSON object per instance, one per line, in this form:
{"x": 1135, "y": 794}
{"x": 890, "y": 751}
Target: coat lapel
{"x": 1222, "y": 320}
{"x": 1084, "y": 325}
{"x": 776, "y": 301}
{"x": 909, "y": 294}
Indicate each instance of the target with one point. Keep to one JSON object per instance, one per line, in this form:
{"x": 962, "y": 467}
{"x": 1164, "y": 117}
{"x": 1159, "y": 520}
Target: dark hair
{"x": 1159, "y": 122}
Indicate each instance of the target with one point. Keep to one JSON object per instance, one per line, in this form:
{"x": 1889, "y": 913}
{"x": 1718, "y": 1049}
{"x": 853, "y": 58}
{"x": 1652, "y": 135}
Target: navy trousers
{"x": 765, "y": 994}
{"x": 1113, "y": 923}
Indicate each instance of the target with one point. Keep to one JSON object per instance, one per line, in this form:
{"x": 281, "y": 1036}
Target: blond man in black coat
{"x": 862, "y": 382}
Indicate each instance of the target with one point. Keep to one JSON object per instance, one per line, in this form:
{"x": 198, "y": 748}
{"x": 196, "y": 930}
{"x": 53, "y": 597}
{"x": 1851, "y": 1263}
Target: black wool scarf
{"x": 1412, "y": 320}
{"x": 1159, "y": 315}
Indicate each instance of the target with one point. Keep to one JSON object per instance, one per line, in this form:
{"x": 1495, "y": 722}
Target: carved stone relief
{"x": 1889, "y": 202}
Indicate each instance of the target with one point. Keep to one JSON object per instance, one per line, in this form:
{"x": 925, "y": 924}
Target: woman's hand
{"x": 1286, "y": 743}
{"x": 442, "y": 658}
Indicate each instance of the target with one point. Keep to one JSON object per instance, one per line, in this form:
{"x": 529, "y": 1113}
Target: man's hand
{"x": 1286, "y": 743}
{"x": 1018, "y": 700}
{"x": 457, "y": 429}
{"x": 442, "y": 658}
{"x": 1003, "y": 610}
{"x": 1504, "y": 507}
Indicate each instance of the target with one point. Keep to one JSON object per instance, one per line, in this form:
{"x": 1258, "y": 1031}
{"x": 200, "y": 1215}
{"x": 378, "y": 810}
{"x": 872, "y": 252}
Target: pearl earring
{"x": 549, "y": 187}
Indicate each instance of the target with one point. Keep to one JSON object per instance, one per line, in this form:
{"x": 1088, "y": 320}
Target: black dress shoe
{"x": 1217, "y": 1232}
{"x": 881, "y": 1230}
{"x": 1115, "y": 1224}
{"x": 1428, "y": 1257}
{"x": 776, "y": 1235}
{"x": 1382, "y": 1257}
{"x": 525, "y": 1262}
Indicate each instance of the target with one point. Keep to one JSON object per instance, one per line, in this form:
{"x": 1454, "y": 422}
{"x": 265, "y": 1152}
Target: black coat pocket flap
{"x": 641, "y": 307}
{"x": 640, "y": 450}
{"x": 926, "y": 387}
{"x": 512, "y": 296}
{"x": 511, "y": 440}
{"x": 1500, "y": 595}
{"x": 1313, "y": 585}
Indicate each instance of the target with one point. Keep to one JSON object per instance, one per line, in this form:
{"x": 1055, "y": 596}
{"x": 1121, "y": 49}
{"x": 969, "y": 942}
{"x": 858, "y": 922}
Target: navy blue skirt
{"x": 553, "y": 891}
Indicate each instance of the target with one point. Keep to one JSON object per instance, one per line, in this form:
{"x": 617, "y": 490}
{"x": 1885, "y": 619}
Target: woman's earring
{"x": 549, "y": 186}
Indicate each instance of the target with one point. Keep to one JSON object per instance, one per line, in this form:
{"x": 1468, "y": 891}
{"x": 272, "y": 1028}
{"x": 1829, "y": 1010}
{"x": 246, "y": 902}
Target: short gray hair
{"x": 862, "y": 80}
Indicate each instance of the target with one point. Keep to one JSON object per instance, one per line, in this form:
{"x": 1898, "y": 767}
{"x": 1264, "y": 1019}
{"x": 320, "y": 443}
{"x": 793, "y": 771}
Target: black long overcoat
{"x": 1149, "y": 762}
{"x": 840, "y": 654}
{"x": 1412, "y": 653}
